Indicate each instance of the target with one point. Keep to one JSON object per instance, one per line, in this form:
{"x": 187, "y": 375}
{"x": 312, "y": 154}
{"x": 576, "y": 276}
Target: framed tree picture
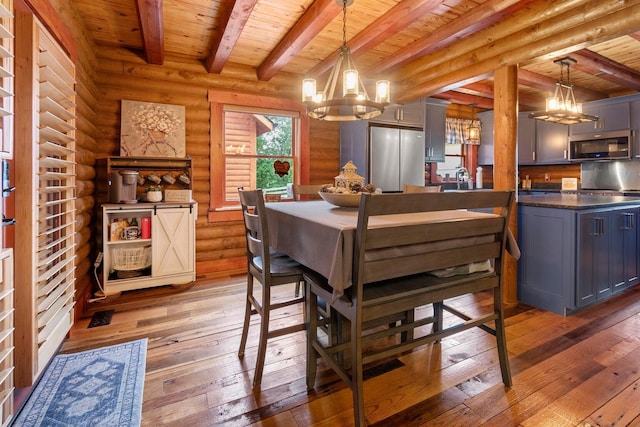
{"x": 152, "y": 130}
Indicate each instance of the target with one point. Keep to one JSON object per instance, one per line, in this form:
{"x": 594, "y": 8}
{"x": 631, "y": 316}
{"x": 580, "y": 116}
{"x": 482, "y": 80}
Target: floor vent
{"x": 101, "y": 318}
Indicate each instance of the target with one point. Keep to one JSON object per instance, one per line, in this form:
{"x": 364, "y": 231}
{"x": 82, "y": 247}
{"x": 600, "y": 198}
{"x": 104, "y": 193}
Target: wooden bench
{"x": 389, "y": 277}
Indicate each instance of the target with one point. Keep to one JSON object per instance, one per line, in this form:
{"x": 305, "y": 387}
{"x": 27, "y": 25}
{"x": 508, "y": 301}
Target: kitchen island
{"x": 577, "y": 249}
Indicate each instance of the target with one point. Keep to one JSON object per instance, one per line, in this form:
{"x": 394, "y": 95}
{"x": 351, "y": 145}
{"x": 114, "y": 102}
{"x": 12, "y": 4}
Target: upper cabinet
{"x": 634, "y": 107}
{"x": 410, "y": 115}
{"x": 538, "y": 142}
{"x": 552, "y": 141}
{"x": 485, "y": 149}
{"x": 435, "y": 125}
{"x": 611, "y": 116}
{"x": 526, "y": 139}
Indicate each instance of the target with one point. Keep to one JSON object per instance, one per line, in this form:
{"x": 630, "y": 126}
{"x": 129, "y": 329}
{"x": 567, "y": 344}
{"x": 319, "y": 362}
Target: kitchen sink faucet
{"x": 462, "y": 175}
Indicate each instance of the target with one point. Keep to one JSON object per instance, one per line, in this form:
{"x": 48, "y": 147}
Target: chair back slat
{"x": 402, "y": 250}
{"x": 255, "y": 223}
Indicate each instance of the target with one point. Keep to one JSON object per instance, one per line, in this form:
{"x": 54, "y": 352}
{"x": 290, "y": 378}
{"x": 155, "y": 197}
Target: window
{"x": 258, "y": 151}
{"x": 256, "y": 142}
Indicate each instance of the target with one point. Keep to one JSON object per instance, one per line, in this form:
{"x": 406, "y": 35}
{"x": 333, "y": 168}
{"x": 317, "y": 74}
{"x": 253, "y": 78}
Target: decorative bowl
{"x": 341, "y": 199}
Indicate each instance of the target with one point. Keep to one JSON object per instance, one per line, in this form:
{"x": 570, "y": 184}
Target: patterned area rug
{"x": 101, "y": 387}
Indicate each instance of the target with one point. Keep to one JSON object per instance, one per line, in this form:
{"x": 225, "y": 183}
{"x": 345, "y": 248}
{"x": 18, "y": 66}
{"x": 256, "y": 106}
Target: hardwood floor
{"x": 582, "y": 370}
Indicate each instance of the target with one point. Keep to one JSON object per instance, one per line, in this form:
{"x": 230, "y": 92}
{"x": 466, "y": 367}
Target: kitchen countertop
{"x": 575, "y": 201}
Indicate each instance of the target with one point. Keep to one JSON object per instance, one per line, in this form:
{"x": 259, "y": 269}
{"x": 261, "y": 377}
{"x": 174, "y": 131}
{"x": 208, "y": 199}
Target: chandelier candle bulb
{"x": 350, "y": 83}
{"x": 309, "y": 90}
{"x": 382, "y": 91}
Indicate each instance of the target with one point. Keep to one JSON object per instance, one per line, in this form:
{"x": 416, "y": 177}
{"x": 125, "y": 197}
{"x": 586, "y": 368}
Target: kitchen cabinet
{"x": 395, "y": 157}
{"x": 411, "y": 115}
{"x": 485, "y": 149}
{"x": 435, "y": 126}
{"x": 526, "y": 139}
{"x": 136, "y": 257}
{"x": 634, "y": 108}
{"x": 611, "y": 116}
{"x": 552, "y": 141}
{"x": 608, "y": 253}
{"x": 574, "y": 258}
{"x": 593, "y": 257}
{"x": 354, "y": 145}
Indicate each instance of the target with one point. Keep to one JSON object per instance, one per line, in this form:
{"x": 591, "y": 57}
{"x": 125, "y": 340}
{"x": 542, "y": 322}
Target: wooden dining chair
{"x": 408, "y": 188}
{"x": 388, "y": 280}
{"x": 270, "y": 269}
{"x": 306, "y": 191}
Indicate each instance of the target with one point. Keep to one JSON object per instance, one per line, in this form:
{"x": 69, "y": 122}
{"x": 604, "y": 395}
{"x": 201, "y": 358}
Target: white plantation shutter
{"x": 46, "y": 177}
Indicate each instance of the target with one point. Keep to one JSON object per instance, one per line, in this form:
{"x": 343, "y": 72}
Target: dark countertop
{"x": 575, "y": 201}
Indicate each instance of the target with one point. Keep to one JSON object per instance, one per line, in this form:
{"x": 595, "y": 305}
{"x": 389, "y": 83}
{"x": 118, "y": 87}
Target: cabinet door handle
{"x": 629, "y": 221}
{"x": 598, "y": 227}
{"x": 564, "y": 154}
{"x": 534, "y": 156}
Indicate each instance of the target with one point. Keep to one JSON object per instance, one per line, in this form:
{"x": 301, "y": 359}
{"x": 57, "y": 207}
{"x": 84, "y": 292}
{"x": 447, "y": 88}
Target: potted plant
{"x": 153, "y": 193}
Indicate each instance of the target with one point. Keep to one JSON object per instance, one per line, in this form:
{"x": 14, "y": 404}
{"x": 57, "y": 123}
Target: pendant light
{"x": 354, "y": 103}
{"x": 562, "y": 106}
{"x": 473, "y": 131}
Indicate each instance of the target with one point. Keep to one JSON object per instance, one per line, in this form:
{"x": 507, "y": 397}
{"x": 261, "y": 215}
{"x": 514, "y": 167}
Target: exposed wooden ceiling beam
{"x": 233, "y": 20}
{"x": 544, "y": 83}
{"x": 466, "y": 99}
{"x": 478, "y": 18}
{"x": 151, "y": 26}
{"x": 588, "y": 24}
{"x": 485, "y": 90}
{"x": 318, "y": 15}
{"x": 606, "y": 69}
{"x": 395, "y": 20}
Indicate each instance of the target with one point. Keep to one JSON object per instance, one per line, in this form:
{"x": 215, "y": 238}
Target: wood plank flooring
{"x": 582, "y": 370}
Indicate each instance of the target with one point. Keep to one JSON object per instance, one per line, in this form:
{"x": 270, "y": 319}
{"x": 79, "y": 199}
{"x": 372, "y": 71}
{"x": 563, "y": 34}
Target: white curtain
{"x": 458, "y": 131}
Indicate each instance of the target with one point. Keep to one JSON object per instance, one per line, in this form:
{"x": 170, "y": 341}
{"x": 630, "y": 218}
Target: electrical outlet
{"x": 98, "y": 260}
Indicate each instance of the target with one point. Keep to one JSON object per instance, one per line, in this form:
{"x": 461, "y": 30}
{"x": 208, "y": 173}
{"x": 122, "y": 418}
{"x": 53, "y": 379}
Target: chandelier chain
{"x": 344, "y": 23}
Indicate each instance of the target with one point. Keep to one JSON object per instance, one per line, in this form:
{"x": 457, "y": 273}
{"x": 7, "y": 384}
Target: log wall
{"x": 122, "y": 75}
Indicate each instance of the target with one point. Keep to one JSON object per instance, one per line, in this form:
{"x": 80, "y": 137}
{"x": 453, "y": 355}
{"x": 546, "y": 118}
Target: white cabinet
{"x": 158, "y": 249}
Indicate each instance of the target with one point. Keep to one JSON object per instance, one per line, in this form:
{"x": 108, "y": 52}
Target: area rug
{"x": 101, "y": 387}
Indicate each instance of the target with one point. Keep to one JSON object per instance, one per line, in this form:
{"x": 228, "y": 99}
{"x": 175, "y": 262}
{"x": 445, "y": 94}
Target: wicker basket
{"x": 129, "y": 259}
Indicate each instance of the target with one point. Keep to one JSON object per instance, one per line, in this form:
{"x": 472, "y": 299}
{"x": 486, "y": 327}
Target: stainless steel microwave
{"x": 614, "y": 145}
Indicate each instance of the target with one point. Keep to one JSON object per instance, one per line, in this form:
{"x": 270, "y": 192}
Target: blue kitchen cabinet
{"x": 552, "y": 143}
{"x": 575, "y": 258}
{"x": 546, "y": 269}
{"x": 526, "y": 139}
{"x": 634, "y": 106}
{"x": 435, "y": 126}
{"x": 485, "y": 149}
{"x": 593, "y": 257}
{"x": 624, "y": 265}
{"x": 611, "y": 116}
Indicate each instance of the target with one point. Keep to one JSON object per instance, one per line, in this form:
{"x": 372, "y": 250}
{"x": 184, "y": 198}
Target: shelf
{"x": 127, "y": 242}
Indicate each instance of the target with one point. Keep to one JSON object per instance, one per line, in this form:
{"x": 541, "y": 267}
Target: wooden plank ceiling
{"x": 441, "y": 48}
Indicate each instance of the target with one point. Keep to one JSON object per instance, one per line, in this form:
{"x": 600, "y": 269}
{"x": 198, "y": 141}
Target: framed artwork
{"x": 152, "y": 130}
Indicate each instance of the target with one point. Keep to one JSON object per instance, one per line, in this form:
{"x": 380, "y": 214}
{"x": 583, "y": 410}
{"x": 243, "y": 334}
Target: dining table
{"x": 321, "y": 236}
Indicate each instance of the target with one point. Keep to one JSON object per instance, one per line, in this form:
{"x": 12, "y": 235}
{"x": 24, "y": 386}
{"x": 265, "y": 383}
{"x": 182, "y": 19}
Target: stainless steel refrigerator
{"x": 396, "y": 157}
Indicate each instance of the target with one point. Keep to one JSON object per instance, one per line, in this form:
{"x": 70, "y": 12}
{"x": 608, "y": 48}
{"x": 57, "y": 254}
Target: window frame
{"x": 219, "y": 210}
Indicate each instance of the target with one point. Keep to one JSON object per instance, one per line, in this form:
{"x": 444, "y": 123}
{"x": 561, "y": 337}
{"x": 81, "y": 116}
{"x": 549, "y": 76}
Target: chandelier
{"x": 562, "y": 106}
{"x": 354, "y": 104}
